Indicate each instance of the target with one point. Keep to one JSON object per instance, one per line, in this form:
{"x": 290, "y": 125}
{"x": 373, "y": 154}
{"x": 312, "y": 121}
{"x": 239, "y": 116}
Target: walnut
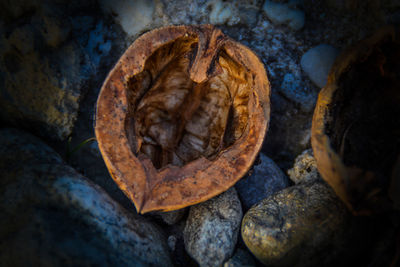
{"x": 182, "y": 116}
{"x": 356, "y": 125}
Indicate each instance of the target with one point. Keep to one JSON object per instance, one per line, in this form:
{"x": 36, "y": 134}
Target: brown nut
{"x": 356, "y": 124}
{"x": 182, "y": 116}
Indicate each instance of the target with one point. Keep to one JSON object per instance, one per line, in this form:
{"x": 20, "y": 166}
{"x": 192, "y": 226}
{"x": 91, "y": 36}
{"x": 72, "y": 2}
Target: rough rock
{"x": 48, "y": 53}
{"x": 217, "y": 12}
{"x": 53, "y": 216}
{"x": 317, "y": 62}
{"x": 232, "y": 13}
{"x": 293, "y": 89}
{"x": 301, "y": 225}
{"x": 135, "y": 17}
{"x": 279, "y": 48}
{"x": 281, "y": 13}
{"x": 212, "y": 229}
{"x": 263, "y": 180}
{"x": 305, "y": 168}
{"x": 241, "y": 258}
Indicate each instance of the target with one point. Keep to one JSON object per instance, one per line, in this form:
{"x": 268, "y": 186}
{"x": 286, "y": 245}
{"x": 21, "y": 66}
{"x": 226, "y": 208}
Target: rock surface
{"x": 48, "y": 53}
{"x": 305, "y": 168}
{"x": 293, "y": 89}
{"x": 280, "y": 13}
{"x": 317, "y": 62}
{"x": 301, "y": 225}
{"x": 135, "y": 17}
{"x": 53, "y": 216}
{"x": 217, "y": 12}
{"x": 263, "y": 180}
{"x": 212, "y": 229}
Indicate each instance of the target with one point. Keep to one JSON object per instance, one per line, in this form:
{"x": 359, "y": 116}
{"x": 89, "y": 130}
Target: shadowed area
{"x": 364, "y": 124}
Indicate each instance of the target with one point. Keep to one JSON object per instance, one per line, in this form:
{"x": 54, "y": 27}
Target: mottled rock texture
{"x": 304, "y": 168}
{"x": 262, "y": 181}
{"x": 53, "y": 216}
{"x": 212, "y": 229}
{"x": 281, "y": 13}
{"x": 301, "y": 225}
{"x": 49, "y": 51}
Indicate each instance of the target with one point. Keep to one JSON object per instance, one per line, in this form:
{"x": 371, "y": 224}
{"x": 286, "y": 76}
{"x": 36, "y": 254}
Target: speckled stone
{"x": 135, "y": 17}
{"x": 241, "y": 258}
{"x": 217, "y": 12}
{"x": 47, "y": 56}
{"x": 263, "y": 180}
{"x": 53, "y": 216}
{"x": 317, "y": 62}
{"x": 301, "y": 225}
{"x": 304, "y": 168}
{"x": 280, "y": 13}
{"x": 293, "y": 89}
{"x": 212, "y": 229}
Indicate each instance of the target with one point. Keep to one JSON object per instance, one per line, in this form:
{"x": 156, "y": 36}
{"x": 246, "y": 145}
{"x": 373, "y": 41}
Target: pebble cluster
{"x": 59, "y": 204}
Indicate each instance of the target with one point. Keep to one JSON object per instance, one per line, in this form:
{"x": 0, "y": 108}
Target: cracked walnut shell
{"x": 356, "y": 125}
{"x": 182, "y": 116}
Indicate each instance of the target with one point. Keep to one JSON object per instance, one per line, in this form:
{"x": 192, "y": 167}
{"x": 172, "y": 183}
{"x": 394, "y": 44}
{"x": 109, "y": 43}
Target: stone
{"x": 33, "y": 91}
{"x": 233, "y": 13}
{"x": 305, "y": 168}
{"x": 135, "y": 17}
{"x": 53, "y": 216}
{"x": 280, "y": 13}
{"x": 293, "y": 89}
{"x": 303, "y": 225}
{"x": 217, "y": 12}
{"x": 222, "y": 12}
{"x": 317, "y": 62}
{"x": 262, "y": 181}
{"x": 45, "y": 64}
{"x": 241, "y": 258}
{"x": 212, "y": 229}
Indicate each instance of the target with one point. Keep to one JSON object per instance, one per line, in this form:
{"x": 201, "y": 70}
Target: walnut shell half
{"x": 356, "y": 125}
{"x": 182, "y": 116}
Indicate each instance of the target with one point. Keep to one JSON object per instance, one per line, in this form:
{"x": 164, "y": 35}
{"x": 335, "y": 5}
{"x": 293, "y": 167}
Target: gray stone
{"x": 217, "y": 12}
{"x": 303, "y": 225}
{"x": 34, "y": 90}
{"x": 47, "y": 56}
{"x": 241, "y": 258}
{"x": 317, "y": 62}
{"x": 280, "y": 13}
{"x": 233, "y": 13}
{"x": 305, "y": 168}
{"x": 293, "y": 89}
{"x": 212, "y": 229}
{"x": 263, "y": 180}
{"x": 135, "y": 17}
{"x": 53, "y": 216}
